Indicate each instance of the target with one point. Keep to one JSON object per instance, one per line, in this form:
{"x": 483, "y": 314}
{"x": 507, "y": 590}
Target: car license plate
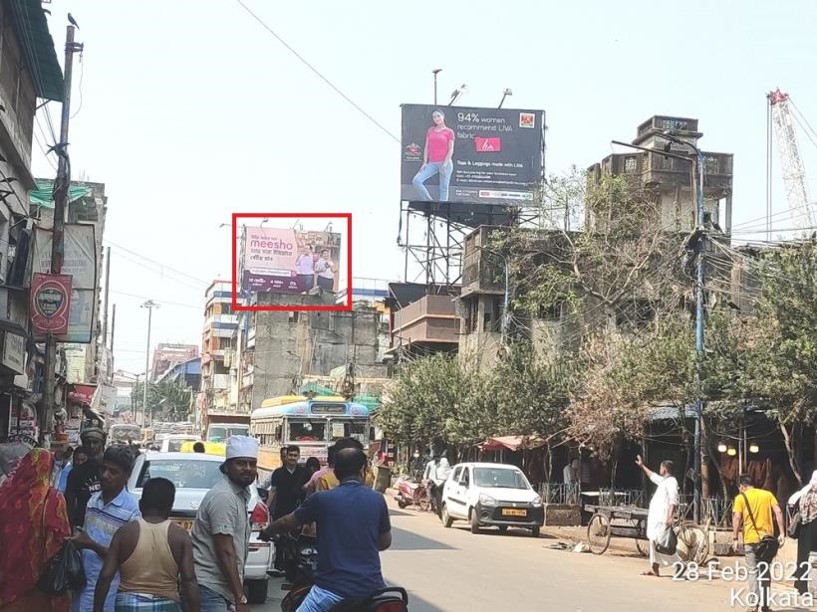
{"x": 185, "y": 524}
{"x": 513, "y": 512}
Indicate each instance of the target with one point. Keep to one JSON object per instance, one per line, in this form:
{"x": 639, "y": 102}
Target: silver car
{"x": 194, "y": 474}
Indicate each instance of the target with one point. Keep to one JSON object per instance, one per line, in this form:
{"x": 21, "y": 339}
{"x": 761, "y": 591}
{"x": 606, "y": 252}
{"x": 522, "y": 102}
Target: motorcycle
{"x": 300, "y": 561}
{"x": 412, "y": 493}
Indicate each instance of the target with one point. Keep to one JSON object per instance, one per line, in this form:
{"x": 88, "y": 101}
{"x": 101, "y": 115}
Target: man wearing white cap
{"x": 221, "y": 532}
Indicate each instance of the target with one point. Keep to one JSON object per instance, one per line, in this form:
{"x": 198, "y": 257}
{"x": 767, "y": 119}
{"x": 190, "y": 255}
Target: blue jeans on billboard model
{"x": 429, "y": 170}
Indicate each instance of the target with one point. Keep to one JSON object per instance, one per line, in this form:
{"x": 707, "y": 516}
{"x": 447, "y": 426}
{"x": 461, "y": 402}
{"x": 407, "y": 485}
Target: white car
{"x": 492, "y": 494}
{"x": 194, "y": 474}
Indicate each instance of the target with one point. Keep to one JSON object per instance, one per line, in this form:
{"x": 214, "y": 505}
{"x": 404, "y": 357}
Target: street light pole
{"x": 150, "y": 305}
{"x": 436, "y": 71}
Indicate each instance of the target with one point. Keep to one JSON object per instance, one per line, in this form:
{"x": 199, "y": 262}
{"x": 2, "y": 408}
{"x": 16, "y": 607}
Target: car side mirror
{"x": 263, "y": 494}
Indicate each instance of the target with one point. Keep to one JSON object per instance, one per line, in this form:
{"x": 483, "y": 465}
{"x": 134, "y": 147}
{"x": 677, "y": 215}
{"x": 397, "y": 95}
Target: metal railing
{"x": 718, "y": 509}
{"x": 622, "y": 497}
{"x": 559, "y": 493}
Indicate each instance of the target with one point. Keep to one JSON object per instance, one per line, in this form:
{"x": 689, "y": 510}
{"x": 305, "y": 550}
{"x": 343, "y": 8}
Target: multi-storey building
{"x": 279, "y": 351}
{"x": 167, "y": 356}
{"x": 669, "y": 179}
{"x": 29, "y": 75}
{"x": 217, "y": 347}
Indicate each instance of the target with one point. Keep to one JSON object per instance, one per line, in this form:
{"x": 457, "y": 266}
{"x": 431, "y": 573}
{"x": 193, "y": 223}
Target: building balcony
{"x": 657, "y": 171}
{"x": 431, "y": 319}
{"x": 220, "y": 382}
{"x": 483, "y": 271}
{"x": 661, "y": 171}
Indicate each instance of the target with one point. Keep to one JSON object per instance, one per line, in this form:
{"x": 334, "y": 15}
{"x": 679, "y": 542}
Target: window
{"x": 493, "y": 315}
{"x": 466, "y": 478}
{"x": 500, "y": 478}
{"x": 307, "y": 431}
{"x": 471, "y": 316}
{"x": 457, "y": 474}
{"x": 630, "y": 164}
{"x": 346, "y": 429}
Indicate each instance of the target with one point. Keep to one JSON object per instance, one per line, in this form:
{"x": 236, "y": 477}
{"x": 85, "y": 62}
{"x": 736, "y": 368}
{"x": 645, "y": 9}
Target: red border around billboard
{"x": 325, "y": 308}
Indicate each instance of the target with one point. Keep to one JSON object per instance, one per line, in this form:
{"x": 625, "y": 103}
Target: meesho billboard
{"x": 289, "y": 261}
{"x": 472, "y": 155}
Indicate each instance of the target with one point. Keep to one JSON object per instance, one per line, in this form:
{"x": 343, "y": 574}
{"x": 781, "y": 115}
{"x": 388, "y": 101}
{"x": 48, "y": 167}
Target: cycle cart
{"x": 631, "y": 522}
{"x": 618, "y": 521}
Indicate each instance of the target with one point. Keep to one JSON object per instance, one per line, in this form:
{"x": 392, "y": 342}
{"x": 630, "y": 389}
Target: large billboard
{"x": 472, "y": 155}
{"x": 285, "y": 260}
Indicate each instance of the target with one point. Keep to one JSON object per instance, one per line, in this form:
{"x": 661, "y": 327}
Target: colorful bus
{"x": 311, "y": 424}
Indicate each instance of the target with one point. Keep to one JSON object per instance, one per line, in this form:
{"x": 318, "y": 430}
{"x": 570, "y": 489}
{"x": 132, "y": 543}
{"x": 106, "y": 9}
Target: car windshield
{"x": 185, "y": 474}
{"x": 499, "y": 478}
{"x": 240, "y": 430}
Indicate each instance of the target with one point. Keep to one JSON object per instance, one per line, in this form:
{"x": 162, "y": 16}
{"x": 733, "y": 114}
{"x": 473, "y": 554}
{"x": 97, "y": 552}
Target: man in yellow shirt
{"x": 329, "y": 481}
{"x": 752, "y": 521}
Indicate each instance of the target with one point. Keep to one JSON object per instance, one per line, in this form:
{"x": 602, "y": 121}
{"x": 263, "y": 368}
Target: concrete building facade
{"x": 669, "y": 179}
{"x": 280, "y": 350}
{"x": 30, "y": 73}
{"x": 218, "y": 347}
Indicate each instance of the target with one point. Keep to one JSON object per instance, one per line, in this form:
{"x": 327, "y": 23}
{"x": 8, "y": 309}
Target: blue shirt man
{"x": 107, "y": 511}
{"x": 353, "y": 527}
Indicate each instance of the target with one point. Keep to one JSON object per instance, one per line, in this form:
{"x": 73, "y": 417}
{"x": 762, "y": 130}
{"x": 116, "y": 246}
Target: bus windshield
{"x": 306, "y": 430}
{"x": 345, "y": 428}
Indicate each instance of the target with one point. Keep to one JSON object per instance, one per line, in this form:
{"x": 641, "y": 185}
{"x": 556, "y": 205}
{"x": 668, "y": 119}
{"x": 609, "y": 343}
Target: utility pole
{"x": 697, "y": 162}
{"x": 436, "y": 71}
{"x": 150, "y": 305}
{"x": 57, "y": 237}
{"x": 107, "y": 285}
{"x": 699, "y": 324}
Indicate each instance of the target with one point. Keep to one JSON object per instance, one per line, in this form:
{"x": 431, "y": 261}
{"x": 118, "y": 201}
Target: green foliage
{"x": 167, "y": 399}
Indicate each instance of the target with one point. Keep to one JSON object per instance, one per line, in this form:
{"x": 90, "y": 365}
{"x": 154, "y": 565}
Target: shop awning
{"x": 511, "y": 443}
{"x": 43, "y": 195}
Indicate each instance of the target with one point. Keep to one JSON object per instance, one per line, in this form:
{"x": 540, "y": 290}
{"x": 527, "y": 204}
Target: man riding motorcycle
{"x": 353, "y": 527}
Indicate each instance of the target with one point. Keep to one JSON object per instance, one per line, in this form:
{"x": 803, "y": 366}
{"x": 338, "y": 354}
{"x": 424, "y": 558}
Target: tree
{"x": 166, "y": 399}
{"x": 781, "y": 363}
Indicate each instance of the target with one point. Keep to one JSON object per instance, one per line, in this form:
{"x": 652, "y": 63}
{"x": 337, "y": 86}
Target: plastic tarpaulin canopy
{"x": 511, "y": 443}
{"x": 43, "y": 195}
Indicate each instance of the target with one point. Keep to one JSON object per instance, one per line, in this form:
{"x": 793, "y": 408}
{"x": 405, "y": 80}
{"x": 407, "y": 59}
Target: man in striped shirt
{"x": 107, "y": 511}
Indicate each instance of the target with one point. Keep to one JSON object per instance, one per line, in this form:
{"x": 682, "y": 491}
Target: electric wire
{"x": 161, "y": 265}
{"x": 318, "y": 73}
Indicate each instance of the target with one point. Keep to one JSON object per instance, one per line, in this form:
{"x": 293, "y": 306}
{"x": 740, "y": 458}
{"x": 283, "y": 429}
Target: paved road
{"x": 453, "y": 570}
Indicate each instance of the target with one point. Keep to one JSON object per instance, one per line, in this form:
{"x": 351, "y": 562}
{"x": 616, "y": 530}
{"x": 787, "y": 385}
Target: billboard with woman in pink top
{"x": 477, "y": 155}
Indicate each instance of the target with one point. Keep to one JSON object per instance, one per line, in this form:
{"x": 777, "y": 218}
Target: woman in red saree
{"x": 33, "y": 526}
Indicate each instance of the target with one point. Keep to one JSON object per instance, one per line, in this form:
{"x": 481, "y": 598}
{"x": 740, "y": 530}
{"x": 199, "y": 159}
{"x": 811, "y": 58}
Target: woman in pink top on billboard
{"x": 436, "y": 158}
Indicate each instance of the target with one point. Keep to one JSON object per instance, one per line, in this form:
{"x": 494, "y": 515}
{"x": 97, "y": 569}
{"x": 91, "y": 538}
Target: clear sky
{"x": 191, "y": 111}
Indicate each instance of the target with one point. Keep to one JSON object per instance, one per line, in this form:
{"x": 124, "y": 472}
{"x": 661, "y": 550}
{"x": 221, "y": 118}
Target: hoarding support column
{"x": 46, "y": 416}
